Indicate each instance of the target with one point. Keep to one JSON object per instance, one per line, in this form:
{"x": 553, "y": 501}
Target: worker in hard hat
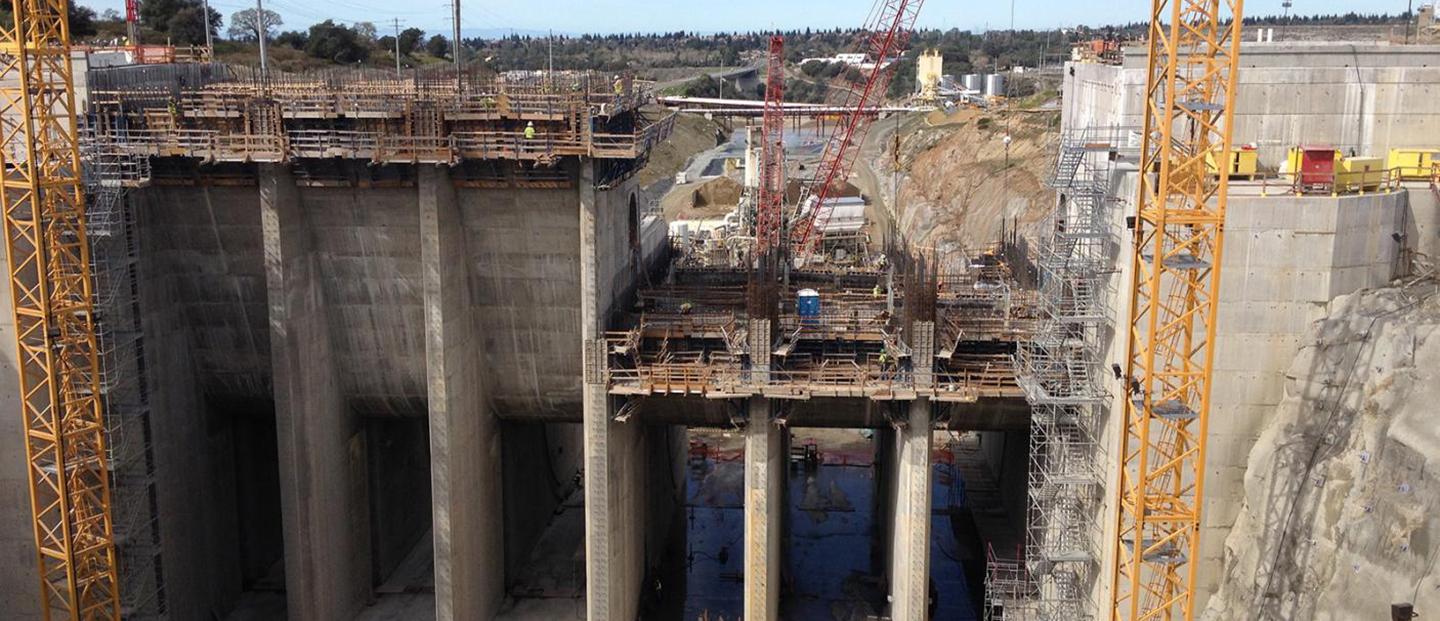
{"x": 530, "y": 130}
{"x": 877, "y": 292}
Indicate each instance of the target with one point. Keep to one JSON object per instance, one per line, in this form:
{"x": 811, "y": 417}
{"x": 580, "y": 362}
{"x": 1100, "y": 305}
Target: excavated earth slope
{"x": 959, "y": 187}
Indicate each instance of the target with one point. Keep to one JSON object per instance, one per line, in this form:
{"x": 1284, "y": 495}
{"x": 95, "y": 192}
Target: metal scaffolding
{"x": 1060, "y": 371}
{"x": 109, "y": 173}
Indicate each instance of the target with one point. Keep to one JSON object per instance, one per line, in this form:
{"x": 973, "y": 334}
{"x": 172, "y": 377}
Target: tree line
{"x": 185, "y": 22}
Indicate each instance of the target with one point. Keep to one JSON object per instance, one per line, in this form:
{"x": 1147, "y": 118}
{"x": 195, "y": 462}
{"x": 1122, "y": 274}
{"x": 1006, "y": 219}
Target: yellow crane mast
{"x": 49, "y": 265}
{"x": 1175, "y": 267}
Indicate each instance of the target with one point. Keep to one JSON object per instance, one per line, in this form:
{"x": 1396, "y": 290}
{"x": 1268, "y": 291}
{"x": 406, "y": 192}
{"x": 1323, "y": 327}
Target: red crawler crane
{"x": 132, "y": 21}
{"x": 887, "y": 33}
{"x": 768, "y": 206}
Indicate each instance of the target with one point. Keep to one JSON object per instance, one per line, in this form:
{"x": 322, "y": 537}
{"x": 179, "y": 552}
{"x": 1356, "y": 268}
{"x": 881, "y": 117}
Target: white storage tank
{"x": 995, "y": 85}
{"x": 972, "y": 82}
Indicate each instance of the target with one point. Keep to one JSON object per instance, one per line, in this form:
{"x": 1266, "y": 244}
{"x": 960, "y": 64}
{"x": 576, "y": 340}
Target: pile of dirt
{"x": 1340, "y": 518}
{"x": 692, "y": 135}
{"x": 718, "y": 192}
{"x": 960, "y": 183}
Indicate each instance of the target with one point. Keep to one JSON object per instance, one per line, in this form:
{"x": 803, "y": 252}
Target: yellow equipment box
{"x": 1359, "y": 174}
{"x": 1414, "y": 163}
{"x": 1243, "y": 163}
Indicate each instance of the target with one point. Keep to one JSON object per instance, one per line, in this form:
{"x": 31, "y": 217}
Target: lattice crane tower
{"x": 51, "y": 291}
{"x": 1179, "y": 230}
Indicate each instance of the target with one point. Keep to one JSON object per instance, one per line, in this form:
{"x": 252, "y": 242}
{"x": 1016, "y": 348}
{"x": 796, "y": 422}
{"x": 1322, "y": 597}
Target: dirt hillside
{"x": 692, "y": 135}
{"x": 957, "y": 188}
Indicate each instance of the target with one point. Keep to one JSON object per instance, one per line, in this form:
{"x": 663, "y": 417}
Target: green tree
{"x": 244, "y": 26}
{"x": 438, "y": 46}
{"x": 187, "y": 26}
{"x": 410, "y": 39}
{"x": 366, "y": 30}
{"x": 182, "y": 20}
{"x": 335, "y": 43}
{"x": 292, "y": 38}
{"x": 82, "y": 21}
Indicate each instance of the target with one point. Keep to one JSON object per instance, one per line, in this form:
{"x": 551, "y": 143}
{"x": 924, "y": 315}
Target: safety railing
{"x": 517, "y": 146}
{"x": 1335, "y": 182}
{"x": 416, "y": 149}
{"x": 248, "y": 147}
{"x": 213, "y": 145}
{"x": 673, "y": 379}
{"x": 697, "y": 376}
{"x": 326, "y": 143}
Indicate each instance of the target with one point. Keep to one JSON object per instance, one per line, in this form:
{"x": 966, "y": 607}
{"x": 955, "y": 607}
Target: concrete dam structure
{"x": 424, "y": 347}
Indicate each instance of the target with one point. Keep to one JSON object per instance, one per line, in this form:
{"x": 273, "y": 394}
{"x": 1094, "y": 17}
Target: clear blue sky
{"x": 578, "y": 16}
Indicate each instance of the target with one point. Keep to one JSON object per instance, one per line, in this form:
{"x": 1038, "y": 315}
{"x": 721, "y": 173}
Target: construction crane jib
{"x": 768, "y": 216}
{"x": 52, "y": 298}
{"x": 1175, "y": 278}
{"x": 887, "y": 33}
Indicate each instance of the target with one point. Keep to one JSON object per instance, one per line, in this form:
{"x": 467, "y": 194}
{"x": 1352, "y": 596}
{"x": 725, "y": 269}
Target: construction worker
{"x": 530, "y": 130}
{"x": 877, "y": 292}
{"x": 686, "y": 307}
{"x": 174, "y": 110}
{"x": 619, "y": 86}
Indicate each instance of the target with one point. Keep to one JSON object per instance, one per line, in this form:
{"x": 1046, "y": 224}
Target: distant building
{"x": 858, "y": 60}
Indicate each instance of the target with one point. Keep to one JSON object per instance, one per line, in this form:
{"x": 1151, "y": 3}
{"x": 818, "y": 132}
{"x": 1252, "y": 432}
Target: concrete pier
{"x": 910, "y": 532}
{"x": 910, "y": 527}
{"x": 766, "y": 455}
{"x": 614, "y": 451}
{"x": 322, "y": 449}
{"x": 765, "y": 506}
{"x": 465, "y": 456}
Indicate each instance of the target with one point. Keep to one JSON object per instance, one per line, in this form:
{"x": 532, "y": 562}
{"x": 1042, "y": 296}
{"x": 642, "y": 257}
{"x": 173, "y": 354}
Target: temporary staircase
{"x": 1061, "y": 372}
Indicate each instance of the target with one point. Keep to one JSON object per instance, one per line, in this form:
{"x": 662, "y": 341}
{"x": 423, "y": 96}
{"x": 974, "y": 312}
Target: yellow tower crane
{"x": 51, "y": 293}
{"x": 1179, "y": 229}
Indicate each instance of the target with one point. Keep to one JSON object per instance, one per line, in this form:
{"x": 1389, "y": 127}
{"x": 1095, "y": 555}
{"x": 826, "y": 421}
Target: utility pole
{"x": 260, "y": 30}
{"x": 209, "y": 43}
{"x": 396, "y": 21}
{"x": 455, "y": 45}
{"x": 1409, "y": 19}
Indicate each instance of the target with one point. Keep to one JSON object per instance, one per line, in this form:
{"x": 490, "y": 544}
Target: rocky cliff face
{"x": 1340, "y": 517}
{"x": 958, "y": 185}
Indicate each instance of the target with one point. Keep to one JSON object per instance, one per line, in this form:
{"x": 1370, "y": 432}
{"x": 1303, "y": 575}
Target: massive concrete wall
{"x": 1285, "y": 258}
{"x": 342, "y": 306}
{"x": 522, "y": 248}
{"x": 1365, "y": 97}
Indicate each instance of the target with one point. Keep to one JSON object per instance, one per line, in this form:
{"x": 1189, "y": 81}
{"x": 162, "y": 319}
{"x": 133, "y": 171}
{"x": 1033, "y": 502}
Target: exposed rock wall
{"x": 961, "y": 183}
{"x": 1340, "y": 517}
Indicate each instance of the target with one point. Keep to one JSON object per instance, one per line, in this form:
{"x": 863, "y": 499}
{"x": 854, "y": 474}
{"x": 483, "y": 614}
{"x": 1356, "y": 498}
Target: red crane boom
{"x": 768, "y": 205}
{"x": 887, "y": 33}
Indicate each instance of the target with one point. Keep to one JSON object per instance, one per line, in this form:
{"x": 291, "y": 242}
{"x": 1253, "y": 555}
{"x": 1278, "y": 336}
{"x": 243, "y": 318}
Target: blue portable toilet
{"x": 807, "y": 304}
